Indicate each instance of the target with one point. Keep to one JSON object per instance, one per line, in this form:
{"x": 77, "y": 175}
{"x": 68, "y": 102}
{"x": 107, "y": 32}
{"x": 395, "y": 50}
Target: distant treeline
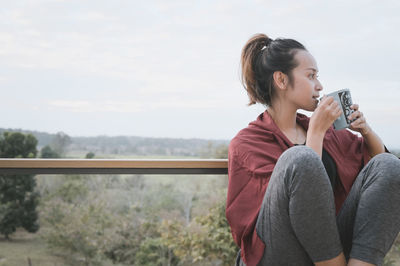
{"x": 140, "y": 146}
{"x": 144, "y": 146}
{"x": 131, "y": 145}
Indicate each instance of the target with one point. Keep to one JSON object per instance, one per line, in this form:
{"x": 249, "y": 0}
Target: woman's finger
{"x": 359, "y": 123}
{"x": 355, "y": 115}
{"x": 338, "y": 111}
{"x": 327, "y": 100}
{"x": 354, "y": 107}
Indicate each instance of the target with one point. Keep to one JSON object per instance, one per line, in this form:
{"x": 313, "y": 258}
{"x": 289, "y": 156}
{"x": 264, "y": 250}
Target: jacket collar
{"x": 265, "y": 122}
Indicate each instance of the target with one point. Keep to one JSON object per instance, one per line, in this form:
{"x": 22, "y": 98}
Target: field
{"x": 24, "y": 247}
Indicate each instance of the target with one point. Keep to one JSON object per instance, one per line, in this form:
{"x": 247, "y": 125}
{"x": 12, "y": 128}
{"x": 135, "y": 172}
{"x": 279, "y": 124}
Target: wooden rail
{"x": 113, "y": 166}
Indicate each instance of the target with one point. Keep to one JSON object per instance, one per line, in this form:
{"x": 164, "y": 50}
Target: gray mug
{"x": 343, "y": 97}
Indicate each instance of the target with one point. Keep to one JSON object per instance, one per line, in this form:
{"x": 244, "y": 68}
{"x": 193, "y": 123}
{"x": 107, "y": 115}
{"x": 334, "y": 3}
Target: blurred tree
{"x": 77, "y": 232}
{"x": 60, "y": 143}
{"x": 207, "y": 150}
{"x": 17, "y": 145}
{"x": 153, "y": 252}
{"x": 217, "y": 243}
{"x": 89, "y": 155}
{"x": 207, "y": 241}
{"x": 212, "y": 151}
{"x": 139, "y": 243}
{"x": 18, "y": 200}
{"x": 221, "y": 152}
{"x": 48, "y": 152}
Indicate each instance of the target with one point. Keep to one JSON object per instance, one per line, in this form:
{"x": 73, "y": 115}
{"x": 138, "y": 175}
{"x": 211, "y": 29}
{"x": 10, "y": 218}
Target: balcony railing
{"x": 113, "y": 166}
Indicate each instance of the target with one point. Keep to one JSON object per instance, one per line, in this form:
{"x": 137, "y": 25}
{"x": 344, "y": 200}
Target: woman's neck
{"x": 284, "y": 119}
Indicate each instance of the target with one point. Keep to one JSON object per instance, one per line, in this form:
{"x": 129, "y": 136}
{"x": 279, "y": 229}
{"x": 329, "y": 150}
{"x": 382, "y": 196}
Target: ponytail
{"x": 261, "y": 57}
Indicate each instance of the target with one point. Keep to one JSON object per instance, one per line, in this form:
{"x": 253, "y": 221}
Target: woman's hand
{"x": 326, "y": 113}
{"x": 374, "y": 143}
{"x": 323, "y": 117}
{"x": 359, "y": 123}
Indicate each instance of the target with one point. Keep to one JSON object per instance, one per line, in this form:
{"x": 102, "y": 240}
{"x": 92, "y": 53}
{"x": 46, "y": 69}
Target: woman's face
{"x": 305, "y": 87}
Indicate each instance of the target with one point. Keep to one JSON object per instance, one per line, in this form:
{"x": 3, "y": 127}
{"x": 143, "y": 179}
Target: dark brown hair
{"x": 261, "y": 57}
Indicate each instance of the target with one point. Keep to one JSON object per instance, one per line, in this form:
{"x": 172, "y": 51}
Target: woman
{"x": 301, "y": 192}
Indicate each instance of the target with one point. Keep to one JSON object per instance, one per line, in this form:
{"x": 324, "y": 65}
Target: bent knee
{"x": 387, "y": 161}
{"x": 386, "y": 158}
{"x": 301, "y": 155}
{"x": 302, "y": 158}
{"x": 301, "y": 164}
{"x": 389, "y": 167}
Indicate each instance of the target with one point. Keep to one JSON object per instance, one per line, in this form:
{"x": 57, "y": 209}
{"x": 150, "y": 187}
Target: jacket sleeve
{"x": 245, "y": 194}
{"x": 237, "y": 200}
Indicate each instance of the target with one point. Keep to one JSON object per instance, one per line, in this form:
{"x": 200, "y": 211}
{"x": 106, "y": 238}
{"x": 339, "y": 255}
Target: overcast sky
{"x": 171, "y": 68}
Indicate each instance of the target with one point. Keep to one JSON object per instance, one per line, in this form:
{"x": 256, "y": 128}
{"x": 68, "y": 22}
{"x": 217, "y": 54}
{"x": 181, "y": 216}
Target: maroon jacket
{"x": 253, "y": 153}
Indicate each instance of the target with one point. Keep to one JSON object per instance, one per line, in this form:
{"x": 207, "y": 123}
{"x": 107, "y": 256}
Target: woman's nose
{"x": 319, "y": 86}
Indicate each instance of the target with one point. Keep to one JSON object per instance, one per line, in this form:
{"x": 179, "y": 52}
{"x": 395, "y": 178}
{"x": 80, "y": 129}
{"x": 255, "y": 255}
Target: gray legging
{"x": 297, "y": 218}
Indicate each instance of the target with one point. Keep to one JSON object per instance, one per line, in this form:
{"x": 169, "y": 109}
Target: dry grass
{"x": 393, "y": 257}
{"x": 23, "y": 246}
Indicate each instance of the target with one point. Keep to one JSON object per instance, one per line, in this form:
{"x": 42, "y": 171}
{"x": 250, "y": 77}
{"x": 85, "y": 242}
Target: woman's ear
{"x": 280, "y": 79}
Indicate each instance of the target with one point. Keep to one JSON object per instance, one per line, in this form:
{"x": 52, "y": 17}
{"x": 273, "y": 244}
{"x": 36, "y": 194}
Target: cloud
{"x": 83, "y": 106}
{"x": 79, "y": 106}
{"x": 16, "y": 17}
{"x": 94, "y": 16}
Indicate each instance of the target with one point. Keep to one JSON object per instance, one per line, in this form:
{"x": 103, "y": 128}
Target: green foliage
{"x": 60, "y": 143}
{"x": 77, "y": 225}
{"x": 140, "y": 243}
{"x": 208, "y": 240}
{"x": 388, "y": 262}
{"x": 217, "y": 242}
{"x": 396, "y": 152}
{"x": 163, "y": 198}
{"x": 18, "y": 198}
{"x": 391, "y": 258}
{"x": 89, "y": 155}
{"x": 48, "y": 152}
{"x": 212, "y": 151}
{"x": 76, "y": 232}
{"x": 148, "y": 227}
{"x": 17, "y": 145}
{"x": 153, "y": 251}
{"x": 73, "y": 190}
{"x": 127, "y": 240}
{"x": 18, "y": 204}
{"x": 221, "y": 152}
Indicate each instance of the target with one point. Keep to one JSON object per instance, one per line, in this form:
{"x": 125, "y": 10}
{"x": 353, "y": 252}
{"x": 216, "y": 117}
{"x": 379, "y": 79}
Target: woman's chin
{"x": 310, "y": 108}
